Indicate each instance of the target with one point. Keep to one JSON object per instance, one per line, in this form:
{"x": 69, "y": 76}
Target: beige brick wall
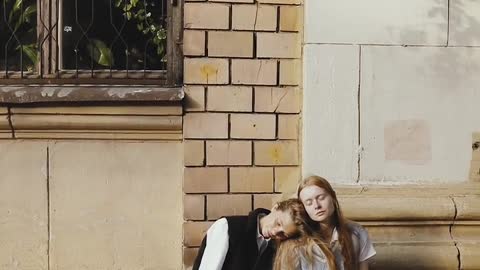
{"x": 243, "y": 100}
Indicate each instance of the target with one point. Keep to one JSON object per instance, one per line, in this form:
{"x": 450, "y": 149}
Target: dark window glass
{"x": 18, "y": 35}
{"x": 113, "y": 35}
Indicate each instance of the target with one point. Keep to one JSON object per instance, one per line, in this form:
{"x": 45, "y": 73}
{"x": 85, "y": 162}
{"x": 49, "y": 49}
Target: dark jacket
{"x": 242, "y": 246}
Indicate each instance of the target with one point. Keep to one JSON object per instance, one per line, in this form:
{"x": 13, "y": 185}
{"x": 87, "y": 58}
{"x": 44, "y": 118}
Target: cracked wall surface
{"x": 389, "y": 99}
{"x": 390, "y": 111}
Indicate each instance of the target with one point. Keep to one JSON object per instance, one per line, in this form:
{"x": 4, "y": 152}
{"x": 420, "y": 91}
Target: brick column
{"x": 243, "y": 100}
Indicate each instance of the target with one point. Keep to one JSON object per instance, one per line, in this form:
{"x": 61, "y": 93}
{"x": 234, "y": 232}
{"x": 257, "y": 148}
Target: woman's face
{"x": 318, "y": 203}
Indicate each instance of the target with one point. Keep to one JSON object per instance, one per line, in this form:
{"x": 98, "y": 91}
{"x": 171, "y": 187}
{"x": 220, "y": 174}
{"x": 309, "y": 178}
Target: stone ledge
{"x": 101, "y": 110}
{"x": 5, "y": 131}
{"x": 416, "y": 256}
{"x": 418, "y": 226}
{"x": 469, "y": 255}
{"x": 94, "y": 122}
{"x": 386, "y": 208}
{"x": 447, "y": 202}
{"x": 12, "y": 94}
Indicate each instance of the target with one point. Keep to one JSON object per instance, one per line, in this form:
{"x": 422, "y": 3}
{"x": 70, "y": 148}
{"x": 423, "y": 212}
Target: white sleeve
{"x": 366, "y": 247}
{"x": 216, "y": 247}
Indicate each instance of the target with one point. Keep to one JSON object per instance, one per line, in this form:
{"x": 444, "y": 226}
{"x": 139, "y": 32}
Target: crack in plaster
{"x": 360, "y": 148}
{"x": 451, "y": 235}
{"x": 10, "y": 123}
{"x": 256, "y": 16}
{"x": 48, "y": 206}
{"x": 280, "y": 100}
{"x": 448, "y": 23}
{"x": 258, "y": 71}
{"x": 364, "y": 188}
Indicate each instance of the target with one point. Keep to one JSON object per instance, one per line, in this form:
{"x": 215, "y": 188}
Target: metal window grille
{"x": 90, "y": 41}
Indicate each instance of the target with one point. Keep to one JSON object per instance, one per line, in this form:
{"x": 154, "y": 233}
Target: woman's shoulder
{"x": 361, "y": 241}
{"x": 357, "y": 230}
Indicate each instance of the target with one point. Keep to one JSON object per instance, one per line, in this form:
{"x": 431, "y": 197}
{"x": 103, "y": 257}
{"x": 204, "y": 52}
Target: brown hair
{"x": 338, "y": 220}
{"x": 305, "y": 239}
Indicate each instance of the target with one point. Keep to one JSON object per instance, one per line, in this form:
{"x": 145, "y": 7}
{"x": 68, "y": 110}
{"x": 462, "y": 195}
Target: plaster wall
{"x": 91, "y": 205}
{"x": 390, "y": 90}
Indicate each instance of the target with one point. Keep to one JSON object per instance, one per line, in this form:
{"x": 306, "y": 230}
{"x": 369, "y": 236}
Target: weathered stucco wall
{"x": 90, "y": 205}
{"x": 390, "y": 115}
{"x": 391, "y": 90}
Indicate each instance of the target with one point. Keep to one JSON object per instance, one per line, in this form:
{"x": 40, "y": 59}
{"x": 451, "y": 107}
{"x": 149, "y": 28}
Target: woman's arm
{"x": 363, "y": 265}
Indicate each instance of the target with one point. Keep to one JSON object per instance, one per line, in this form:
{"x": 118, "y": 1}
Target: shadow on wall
{"x": 426, "y": 32}
{"x": 464, "y": 30}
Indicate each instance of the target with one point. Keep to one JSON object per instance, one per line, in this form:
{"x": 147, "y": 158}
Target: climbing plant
{"x": 18, "y": 34}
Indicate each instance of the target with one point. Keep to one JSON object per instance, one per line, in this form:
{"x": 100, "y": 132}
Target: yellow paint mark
{"x": 208, "y": 71}
{"x": 275, "y": 153}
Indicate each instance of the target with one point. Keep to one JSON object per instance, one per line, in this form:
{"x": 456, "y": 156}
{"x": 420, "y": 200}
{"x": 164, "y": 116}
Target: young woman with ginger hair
{"x": 348, "y": 240}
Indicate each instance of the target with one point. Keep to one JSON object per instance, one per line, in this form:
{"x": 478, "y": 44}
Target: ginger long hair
{"x": 306, "y": 238}
{"x": 338, "y": 220}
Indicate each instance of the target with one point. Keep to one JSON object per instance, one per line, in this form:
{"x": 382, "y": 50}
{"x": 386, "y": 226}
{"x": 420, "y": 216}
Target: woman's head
{"x": 319, "y": 199}
{"x": 302, "y": 239}
{"x": 282, "y": 221}
{"x": 287, "y": 219}
{"x": 296, "y": 210}
{"x": 322, "y": 205}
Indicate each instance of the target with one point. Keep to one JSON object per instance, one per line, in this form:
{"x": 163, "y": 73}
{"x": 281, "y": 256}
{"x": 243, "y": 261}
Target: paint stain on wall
{"x": 276, "y": 154}
{"x": 208, "y": 72}
{"x": 475, "y": 163}
{"x": 408, "y": 141}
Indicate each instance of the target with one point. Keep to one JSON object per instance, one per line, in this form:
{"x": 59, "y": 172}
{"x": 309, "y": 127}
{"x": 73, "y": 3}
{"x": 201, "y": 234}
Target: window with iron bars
{"x": 90, "y": 42}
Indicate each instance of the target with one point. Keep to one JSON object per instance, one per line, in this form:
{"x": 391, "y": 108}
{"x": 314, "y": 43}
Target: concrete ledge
{"x": 468, "y": 207}
{"x": 5, "y": 131}
{"x": 397, "y": 208}
{"x": 94, "y": 122}
{"x": 415, "y": 256}
{"x": 86, "y": 93}
{"x": 418, "y": 226}
{"x": 469, "y": 255}
{"x": 445, "y": 202}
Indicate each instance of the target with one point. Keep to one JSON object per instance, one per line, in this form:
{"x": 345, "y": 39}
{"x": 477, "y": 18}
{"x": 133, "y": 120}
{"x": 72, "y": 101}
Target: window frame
{"x": 48, "y": 68}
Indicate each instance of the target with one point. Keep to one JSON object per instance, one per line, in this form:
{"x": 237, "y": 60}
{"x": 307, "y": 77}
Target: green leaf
{"x": 29, "y": 11}
{"x": 31, "y": 51}
{"x": 100, "y": 53}
{"x": 160, "y": 49}
{"x": 17, "y": 5}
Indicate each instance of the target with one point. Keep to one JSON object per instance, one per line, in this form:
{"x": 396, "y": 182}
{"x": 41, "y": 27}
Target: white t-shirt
{"x": 361, "y": 243}
{"x": 319, "y": 261}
